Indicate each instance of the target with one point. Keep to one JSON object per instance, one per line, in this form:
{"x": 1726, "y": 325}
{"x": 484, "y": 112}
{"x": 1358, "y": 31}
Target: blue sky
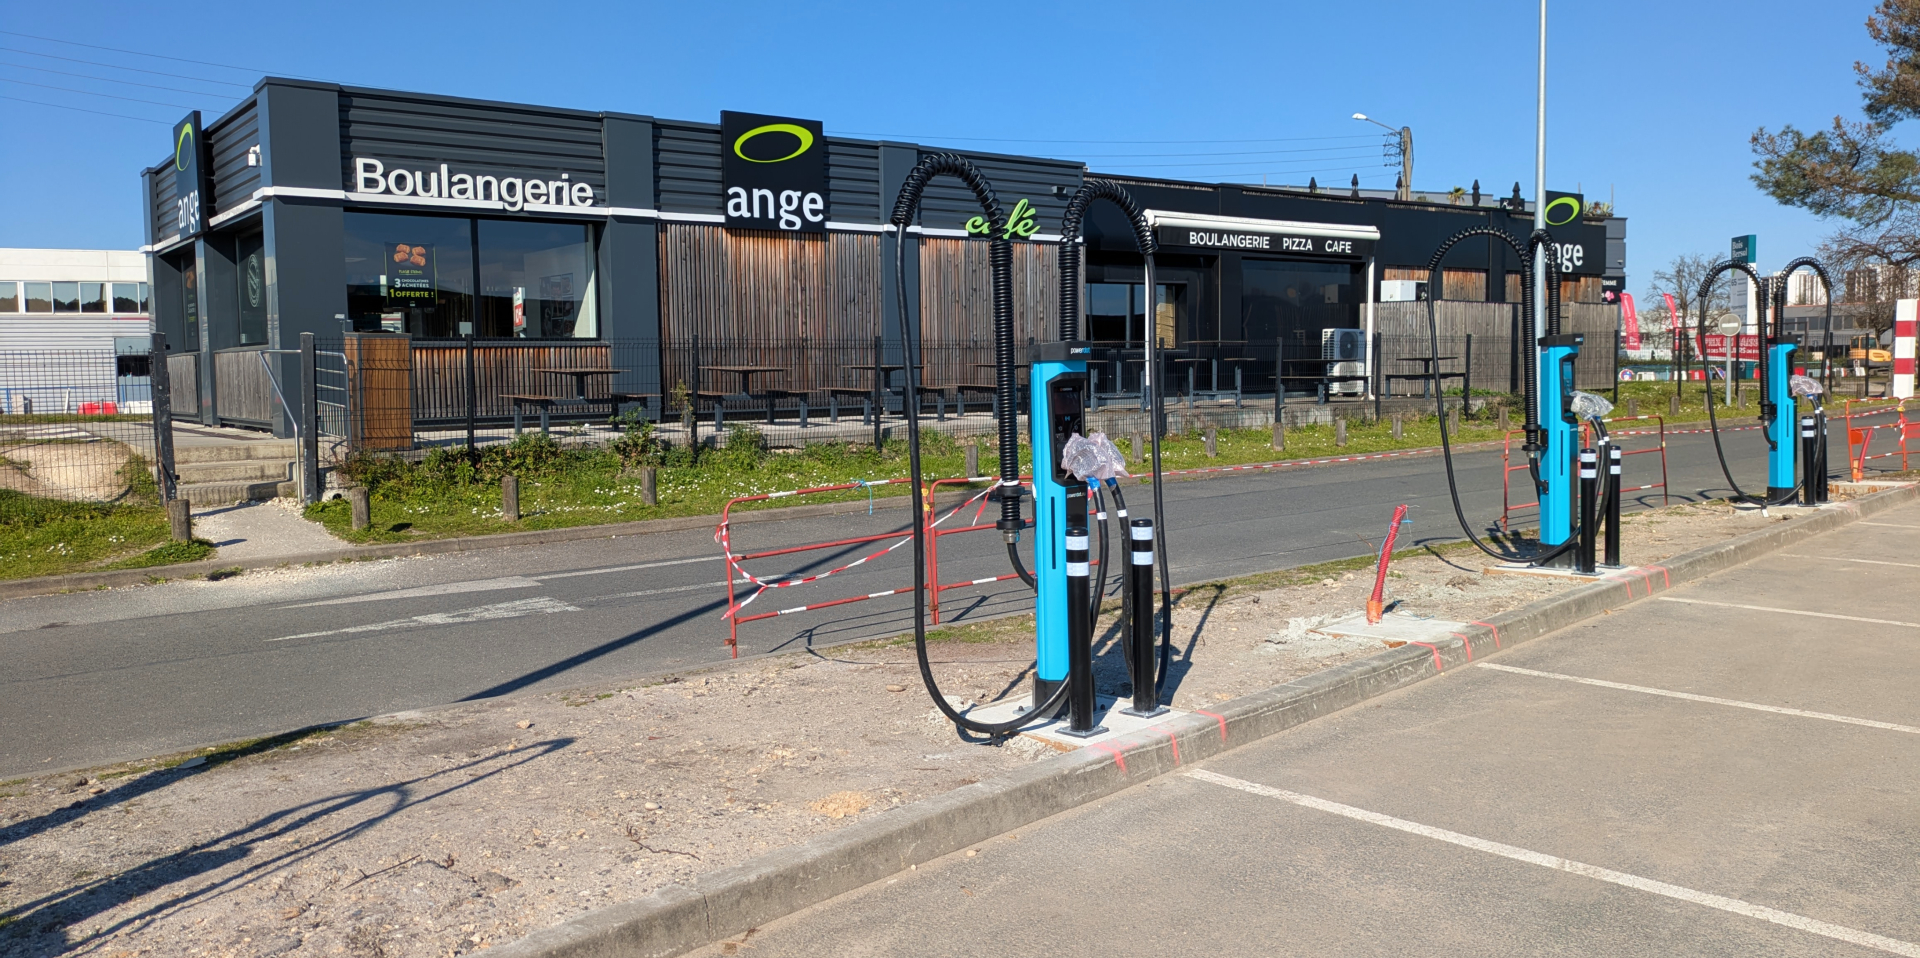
{"x": 1651, "y": 102}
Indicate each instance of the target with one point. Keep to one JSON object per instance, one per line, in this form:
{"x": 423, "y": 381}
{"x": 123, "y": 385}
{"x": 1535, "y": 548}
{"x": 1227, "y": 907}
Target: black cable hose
{"x": 1020, "y": 568}
{"x": 1713, "y": 420}
{"x": 1001, "y": 259}
{"x": 1099, "y": 582}
{"x": 1538, "y": 238}
{"x": 1070, "y": 225}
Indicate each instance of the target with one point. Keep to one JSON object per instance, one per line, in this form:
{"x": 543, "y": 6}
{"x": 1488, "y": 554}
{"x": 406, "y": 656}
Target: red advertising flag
{"x": 1629, "y": 322}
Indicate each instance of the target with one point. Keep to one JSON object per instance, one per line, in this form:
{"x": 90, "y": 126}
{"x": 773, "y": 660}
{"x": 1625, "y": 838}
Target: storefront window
{"x": 190, "y": 301}
{"x": 1117, "y": 313}
{"x": 1295, "y": 301}
{"x": 536, "y": 280}
{"x": 409, "y": 274}
{"x": 1111, "y": 316}
{"x": 251, "y": 274}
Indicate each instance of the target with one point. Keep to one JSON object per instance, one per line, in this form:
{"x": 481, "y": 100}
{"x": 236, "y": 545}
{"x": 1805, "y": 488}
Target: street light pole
{"x": 1405, "y": 133}
{"x": 1540, "y": 172}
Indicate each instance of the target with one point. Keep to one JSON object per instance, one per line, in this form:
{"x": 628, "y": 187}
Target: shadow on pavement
{"x": 31, "y": 927}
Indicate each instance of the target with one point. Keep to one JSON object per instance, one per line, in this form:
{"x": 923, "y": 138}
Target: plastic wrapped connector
{"x": 1804, "y": 387}
{"x": 1092, "y": 457}
{"x": 1589, "y": 406}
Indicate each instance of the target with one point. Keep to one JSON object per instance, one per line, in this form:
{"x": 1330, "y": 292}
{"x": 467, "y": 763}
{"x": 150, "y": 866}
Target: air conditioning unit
{"x": 1403, "y": 291}
{"x": 1347, "y": 387}
{"x": 1343, "y": 345}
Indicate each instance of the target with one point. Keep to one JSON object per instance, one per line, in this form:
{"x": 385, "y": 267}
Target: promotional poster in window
{"x": 410, "y": 280}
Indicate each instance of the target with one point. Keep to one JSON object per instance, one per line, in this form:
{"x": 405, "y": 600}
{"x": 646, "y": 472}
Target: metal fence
{"x": 76, "y": 425}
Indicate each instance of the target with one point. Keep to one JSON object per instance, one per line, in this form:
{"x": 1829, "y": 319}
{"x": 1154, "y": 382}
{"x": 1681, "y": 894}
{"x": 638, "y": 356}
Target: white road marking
{"x": 504, "y": 582}
{"x": 1689, "y": 696}
{"x": 1796, "y": 555}
{"x": 677, "y": 588}
{"x": 1887, "y": 525}
{"x": 1768, "y": 608}
{"x": 625, "y": 568}
{"x": 1852, "y": 936}
{"x": 542, "y": 605}
{"x": 445, "y": 588}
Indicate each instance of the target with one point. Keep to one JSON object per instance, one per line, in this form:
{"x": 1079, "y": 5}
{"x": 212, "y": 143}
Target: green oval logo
{"x": 799, "y": 132}
{"x": 1572, "y": 205}
{"x": 179, "y": 147}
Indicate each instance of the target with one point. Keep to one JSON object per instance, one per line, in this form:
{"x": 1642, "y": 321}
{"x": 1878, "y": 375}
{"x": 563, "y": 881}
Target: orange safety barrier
{"x": 1507, "y": 505}
{"x": 934, "y": 585}
{"x": 735, "y": 570}
{"x": 1862, "y": 438}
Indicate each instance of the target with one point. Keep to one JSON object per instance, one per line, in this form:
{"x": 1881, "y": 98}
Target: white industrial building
{"x": 75, "y": 327}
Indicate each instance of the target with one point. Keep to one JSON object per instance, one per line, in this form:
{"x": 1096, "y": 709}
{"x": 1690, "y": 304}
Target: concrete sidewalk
{"x": 1725, "y": 769}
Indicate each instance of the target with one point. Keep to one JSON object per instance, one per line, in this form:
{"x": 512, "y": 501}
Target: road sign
{"x": 1746, "y": 249}
{"x": 1728, "y": 323}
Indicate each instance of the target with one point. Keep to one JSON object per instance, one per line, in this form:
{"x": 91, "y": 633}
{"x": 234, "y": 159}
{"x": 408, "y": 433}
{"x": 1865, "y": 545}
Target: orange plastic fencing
{"x": 1861, "y": 438}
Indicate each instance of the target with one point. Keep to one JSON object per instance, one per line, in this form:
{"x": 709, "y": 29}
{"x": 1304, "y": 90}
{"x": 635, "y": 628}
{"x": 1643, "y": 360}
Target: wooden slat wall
{"x": 500, "y": 367}
{"x": 808, "y": 303}
{"x": 956, "y": 304}
{"x": 380, "y": 398}
{"x": 183, "y": 375}
{"x": 1403, "y": 328}
{"x": 242, "y": 391}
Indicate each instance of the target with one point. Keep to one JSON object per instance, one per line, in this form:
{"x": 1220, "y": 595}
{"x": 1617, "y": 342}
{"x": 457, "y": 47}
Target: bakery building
{"x": 344, "y": 211}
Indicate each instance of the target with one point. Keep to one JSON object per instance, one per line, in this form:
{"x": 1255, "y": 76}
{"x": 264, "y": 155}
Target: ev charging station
{"x": 1071, "y": 468}
{"x": 1555, "y": 414}
{"x": 1796, "y": 448}
{"x": 1058, "y": 378}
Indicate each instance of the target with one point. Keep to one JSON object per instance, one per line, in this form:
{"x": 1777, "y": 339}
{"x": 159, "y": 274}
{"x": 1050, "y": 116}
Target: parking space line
{"x": 1768, "y": 608}
{"x": 1852, "y": 936}
{"x": 1710, "y": 700}
{"x": 1796, "y": 555}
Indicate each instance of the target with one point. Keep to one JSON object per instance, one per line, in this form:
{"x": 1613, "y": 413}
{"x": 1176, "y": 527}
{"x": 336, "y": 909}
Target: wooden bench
{"x": 718, "y": 400}
{"x": 862, "y": 396}
{"x": 962, "y": 390}
{"x": 547, "y": 403}
{"x": 643, "y": 399}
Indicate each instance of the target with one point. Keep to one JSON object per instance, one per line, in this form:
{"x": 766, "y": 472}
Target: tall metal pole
{"x": 1540, "y": 197}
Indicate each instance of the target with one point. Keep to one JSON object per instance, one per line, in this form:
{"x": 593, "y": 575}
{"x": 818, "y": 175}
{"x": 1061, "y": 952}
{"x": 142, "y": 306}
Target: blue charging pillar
{"x": 1560, "y": 433}
{"x": 1781, "y": 429}
{"x": 1057, "y": 383}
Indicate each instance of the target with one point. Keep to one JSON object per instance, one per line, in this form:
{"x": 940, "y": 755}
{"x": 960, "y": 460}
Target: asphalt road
{"x": 110, "y": 676}
{"x": 1731, "y": 769}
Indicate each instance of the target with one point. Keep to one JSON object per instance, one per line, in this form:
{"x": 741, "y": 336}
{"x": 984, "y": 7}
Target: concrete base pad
{"x": 1394, "y": 629}
{"x": 1107, "y": 711}
{"x": 1560, "y": 572}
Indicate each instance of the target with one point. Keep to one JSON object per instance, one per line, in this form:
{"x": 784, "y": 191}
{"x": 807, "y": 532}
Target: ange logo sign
{"x": 773, "y": 172}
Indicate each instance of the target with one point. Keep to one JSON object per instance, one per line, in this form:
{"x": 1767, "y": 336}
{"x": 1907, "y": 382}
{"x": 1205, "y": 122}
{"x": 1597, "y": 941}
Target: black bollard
{"x": 1079, "y": 618}
{"x": 1139, "y": 619}
{"x": 1589, "y": 485}
{"x": 1613, "y": 505}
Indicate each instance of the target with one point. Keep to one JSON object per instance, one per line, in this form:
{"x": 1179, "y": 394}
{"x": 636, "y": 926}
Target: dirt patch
{"x": 443, "y": 833}
{"x": 82, "y": 470}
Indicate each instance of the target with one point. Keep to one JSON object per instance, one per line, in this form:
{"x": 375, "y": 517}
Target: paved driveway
{"x": 1730, "y": 769}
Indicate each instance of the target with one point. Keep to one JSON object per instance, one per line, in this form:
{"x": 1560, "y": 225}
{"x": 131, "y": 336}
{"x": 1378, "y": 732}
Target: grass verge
{"x": 41, "y": 537}
{"x": 453, "y": 493}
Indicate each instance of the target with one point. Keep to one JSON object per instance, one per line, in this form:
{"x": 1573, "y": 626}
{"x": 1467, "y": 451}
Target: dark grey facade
{"x": 535, "y": 222}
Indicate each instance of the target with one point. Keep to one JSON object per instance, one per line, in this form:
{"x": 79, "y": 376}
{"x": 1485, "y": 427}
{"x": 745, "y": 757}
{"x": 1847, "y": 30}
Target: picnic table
{"x": 769, "y": 395}
{"x": 546, "y": 403}
{"x": 1425, "y": 376}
